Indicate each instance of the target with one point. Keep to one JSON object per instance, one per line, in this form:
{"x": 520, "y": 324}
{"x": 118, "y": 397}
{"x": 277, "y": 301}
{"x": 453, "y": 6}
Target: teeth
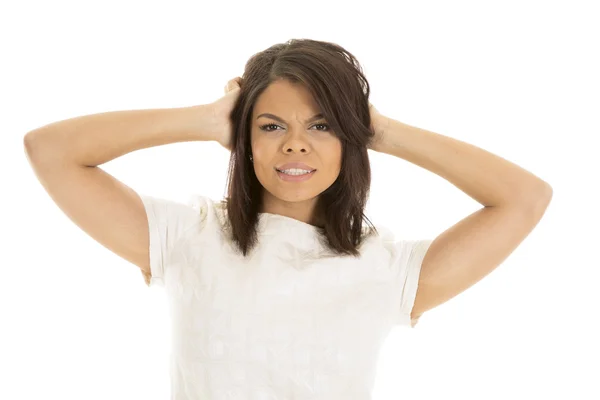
{"x": 295, "y": 171}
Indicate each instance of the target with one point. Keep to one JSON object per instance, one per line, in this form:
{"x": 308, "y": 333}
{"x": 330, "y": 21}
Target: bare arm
{"x": 64, "y": 156}
{"x": 93, "y": 140}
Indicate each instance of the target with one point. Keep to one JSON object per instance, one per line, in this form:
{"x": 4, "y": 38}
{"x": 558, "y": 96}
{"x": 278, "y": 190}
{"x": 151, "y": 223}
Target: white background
{"x": 517, "y": 78}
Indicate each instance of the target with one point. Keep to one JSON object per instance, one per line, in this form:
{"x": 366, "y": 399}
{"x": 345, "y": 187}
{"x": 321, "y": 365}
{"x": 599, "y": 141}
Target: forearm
{"x": 95, "y": 139}
{"x": 487, "y": 178}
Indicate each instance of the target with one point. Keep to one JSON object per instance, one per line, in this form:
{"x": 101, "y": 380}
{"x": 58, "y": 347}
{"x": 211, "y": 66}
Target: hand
{"x": 221, "y": 109}
{"x": 378, "y": 124}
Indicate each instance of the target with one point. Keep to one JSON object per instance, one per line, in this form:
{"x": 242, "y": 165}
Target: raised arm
{"x": 65, "y": 156}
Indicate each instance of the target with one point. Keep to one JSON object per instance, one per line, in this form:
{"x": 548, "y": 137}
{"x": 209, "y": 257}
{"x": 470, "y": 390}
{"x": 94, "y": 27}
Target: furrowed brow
{"x": 276, "y": 118}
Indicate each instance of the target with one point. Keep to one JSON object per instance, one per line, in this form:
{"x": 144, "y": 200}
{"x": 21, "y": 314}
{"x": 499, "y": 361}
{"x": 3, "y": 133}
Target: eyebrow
{"x": 276, "y": 118}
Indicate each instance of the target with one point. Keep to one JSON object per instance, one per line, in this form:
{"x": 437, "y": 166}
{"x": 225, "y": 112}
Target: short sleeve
{"x": 407, "y": 259}
{"x": 168, "y": 222}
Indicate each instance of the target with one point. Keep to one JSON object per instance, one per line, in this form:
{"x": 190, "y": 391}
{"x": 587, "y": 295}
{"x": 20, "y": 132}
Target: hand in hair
{"x": 378, "y": 124}
{"x": 221, "y": 109}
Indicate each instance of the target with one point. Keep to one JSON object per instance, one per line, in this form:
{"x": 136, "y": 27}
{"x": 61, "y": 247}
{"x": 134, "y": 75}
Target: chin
{"x": 296, "y": 196}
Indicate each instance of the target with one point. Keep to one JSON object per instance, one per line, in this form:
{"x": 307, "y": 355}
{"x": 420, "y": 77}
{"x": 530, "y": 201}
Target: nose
{"x": 296, "y": 142}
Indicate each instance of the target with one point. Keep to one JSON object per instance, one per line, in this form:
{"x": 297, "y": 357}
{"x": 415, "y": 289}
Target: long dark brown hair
{"x": 336, "y": 81}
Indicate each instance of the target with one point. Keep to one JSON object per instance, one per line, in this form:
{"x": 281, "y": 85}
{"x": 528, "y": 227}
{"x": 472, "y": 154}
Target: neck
{"x": 306, "y": 211}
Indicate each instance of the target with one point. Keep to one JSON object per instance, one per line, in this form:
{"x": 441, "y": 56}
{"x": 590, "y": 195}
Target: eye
{"x": 264, "y": 127}
{"x": 326, "y": 129}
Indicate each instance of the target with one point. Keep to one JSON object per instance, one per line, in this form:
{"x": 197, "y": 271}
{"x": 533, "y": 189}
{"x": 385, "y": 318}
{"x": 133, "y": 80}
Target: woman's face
{"x": 291, "y": 134}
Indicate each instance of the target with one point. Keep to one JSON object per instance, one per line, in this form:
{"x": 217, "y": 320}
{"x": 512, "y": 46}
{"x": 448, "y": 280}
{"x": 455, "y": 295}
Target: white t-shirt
{"x": 290, "y": 321}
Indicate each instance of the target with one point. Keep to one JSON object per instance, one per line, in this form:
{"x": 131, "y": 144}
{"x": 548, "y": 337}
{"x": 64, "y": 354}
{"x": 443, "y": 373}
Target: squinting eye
{"x": 263, "y": 127}
{"x": 327, "y": 127}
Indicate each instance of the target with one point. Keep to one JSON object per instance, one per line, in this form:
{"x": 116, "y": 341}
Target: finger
{"x": 236, "y": 82}
{"x": 231, "y": 84}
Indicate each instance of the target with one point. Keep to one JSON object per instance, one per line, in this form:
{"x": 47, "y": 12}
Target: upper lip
{"x": 298, "y": 165}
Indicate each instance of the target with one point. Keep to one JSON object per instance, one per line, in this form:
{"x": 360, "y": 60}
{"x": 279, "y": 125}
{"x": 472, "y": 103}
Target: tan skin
{"x": 295, "y": 139}
{"x": 514, "y": 200}
{"x": 313, "y": 143}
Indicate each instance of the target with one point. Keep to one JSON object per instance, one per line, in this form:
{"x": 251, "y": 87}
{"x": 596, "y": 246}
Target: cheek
{"x": 262, "y": 149}
{"x": 336, "y": 157}
{"x": 332, "y": 163}
{"x": 262, "y": 161}
{"x": 263, "y": 167}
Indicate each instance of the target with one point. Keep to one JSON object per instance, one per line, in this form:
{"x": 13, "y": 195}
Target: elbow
{"x": 30, "y": 142}
{"x": 32, "y": 145}
{"x": 540, "y": 200}
{"x": 40, "y": 146}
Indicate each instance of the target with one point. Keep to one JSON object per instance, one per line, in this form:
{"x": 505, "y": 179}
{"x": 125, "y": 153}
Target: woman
{"x": 279, "y": 291}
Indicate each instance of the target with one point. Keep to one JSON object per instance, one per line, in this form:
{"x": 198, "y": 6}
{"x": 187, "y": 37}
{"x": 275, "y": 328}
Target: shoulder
{"x": 385, "y": 242}
{"x": 210, "y": 215}
{"x": 207, "y": 209}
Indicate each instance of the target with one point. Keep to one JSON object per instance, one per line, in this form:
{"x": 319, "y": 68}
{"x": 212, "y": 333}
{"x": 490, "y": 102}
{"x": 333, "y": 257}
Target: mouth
{"x": 295, "y": 177}
{"x": 296, "y": 170}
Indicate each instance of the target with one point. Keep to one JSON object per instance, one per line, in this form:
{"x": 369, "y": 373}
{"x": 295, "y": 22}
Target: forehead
{"x": 283, "y": 96}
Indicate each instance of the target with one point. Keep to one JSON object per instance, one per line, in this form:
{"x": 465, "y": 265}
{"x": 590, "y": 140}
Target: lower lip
{"x": 295, "y": 178}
